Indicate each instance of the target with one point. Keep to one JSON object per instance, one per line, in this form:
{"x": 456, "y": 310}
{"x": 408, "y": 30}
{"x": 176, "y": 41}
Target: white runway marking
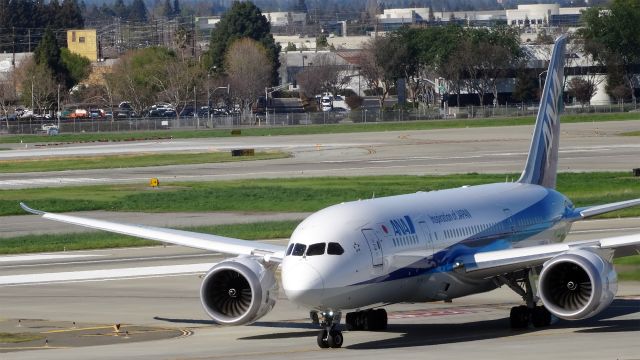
{"x": 103, "y": 275}
{"x": 39, "y": 257}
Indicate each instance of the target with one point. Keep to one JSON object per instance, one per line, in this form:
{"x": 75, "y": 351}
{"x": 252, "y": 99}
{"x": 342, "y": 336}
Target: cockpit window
{"x": 298, "y": 249}
{"x": 316, "y": 249}
{"x": 289, "y": 249}
{"x": 334, "y": 249}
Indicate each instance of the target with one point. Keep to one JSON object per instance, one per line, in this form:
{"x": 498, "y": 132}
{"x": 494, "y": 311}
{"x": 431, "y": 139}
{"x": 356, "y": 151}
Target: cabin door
{"x": 374, "y": 246}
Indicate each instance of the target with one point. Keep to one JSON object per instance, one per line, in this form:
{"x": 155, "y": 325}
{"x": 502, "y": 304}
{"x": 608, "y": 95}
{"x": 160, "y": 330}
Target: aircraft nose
{"x": 302, "y": 283}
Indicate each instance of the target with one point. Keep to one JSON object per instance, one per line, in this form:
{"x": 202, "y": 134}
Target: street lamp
{"x": 540, "y": 82}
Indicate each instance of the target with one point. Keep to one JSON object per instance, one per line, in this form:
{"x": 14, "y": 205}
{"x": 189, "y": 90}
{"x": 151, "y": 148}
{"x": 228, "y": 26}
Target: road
{"x": 584, "y": 147}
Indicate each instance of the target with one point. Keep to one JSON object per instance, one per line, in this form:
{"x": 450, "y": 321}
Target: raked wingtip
{"x": 30, "y": 210}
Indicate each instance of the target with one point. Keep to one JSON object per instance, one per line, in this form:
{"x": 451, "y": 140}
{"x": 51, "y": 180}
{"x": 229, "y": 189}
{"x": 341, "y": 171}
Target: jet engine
{"x": 239, "y": 291}
{"x": 577, "y": 285}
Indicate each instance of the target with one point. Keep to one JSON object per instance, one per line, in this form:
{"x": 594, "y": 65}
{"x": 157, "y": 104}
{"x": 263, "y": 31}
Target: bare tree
{"x": 177, "y": 82}
{"x": 8, "y": 96}
{"x": 324, "y": 75}
{"x": 249, "y": 71}
{"x": 376, "y": 67}
{"x": 38, "y": 86}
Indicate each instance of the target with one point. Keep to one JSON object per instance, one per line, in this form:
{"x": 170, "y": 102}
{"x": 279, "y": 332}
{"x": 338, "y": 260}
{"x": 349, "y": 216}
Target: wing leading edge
{"x": 227, "y": 245}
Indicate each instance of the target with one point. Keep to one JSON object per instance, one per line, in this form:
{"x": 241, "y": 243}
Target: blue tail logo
{"x": 542, "y": 162}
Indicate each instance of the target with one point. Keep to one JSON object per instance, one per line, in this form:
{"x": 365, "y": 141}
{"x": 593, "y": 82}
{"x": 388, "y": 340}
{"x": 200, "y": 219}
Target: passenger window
{"x": 289, "y": 249}
{"x": 298, "y": 249}
{"x": 334, "y": 249}
{"x": 316, "y": 249}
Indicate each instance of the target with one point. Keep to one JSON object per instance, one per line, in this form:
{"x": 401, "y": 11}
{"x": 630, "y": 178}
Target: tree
{"x": 39, "y": 87}
{"x": 133, "y": 80}
{"x": 612, "y": 37}
{"x": 138, "y": 11}
{"x": 582, "y": 90}
{"x": 249, "y": 70}
{"x": 378, "y": 62}
{"x": 47, "y": 54}
{"x": 176, "y": 8}
{"x": 167, "y": 10}
{"x": 177, "y": 82}
{"x": 526, "y": 87}
{"x": 70, "y": 15}
{"x": 120, "y": 9}
{"x": 322, "y": 42}
{"x": 77, "y": 66}
{"x": 243, "y": 20}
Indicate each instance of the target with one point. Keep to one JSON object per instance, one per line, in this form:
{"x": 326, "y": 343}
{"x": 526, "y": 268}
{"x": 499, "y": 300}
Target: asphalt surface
{"x": 583, "y": 147}
{"x": 163, "y": 313}
{"x": 165, "y": 320}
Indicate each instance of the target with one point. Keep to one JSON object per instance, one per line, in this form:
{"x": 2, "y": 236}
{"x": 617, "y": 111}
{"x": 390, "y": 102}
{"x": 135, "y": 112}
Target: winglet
{"x": 30, "y": 210}
{"x": 542, "y": 162}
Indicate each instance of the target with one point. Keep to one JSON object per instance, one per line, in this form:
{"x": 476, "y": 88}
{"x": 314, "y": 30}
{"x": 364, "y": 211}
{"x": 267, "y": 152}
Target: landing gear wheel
{"x": 519, "y": 317}
{"x": 382, "y": 322}
{"x": 335, "y": 339}
{"x": 540, "y": 317}
{"x": 323, "y": 339}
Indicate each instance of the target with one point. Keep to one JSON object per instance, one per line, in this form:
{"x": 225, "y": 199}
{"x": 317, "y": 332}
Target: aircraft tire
{"x": 335, "y": 339}
{"x": 519, "y": 317}
{"x": 540, "y": 317}
{"x": 323, "y": 342}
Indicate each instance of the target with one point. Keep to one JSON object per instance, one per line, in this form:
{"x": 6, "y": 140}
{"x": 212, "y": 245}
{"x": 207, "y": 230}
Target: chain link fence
{"x": 366, "y": 115}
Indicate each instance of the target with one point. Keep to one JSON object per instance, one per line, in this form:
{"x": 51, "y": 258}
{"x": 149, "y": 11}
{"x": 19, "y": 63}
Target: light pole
{"x": 58, "y": 110}
{"x": 540, "y": 82}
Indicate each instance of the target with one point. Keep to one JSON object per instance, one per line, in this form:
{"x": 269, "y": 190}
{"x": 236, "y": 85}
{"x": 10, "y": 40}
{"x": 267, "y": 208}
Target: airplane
{"x": 427, "y": 246}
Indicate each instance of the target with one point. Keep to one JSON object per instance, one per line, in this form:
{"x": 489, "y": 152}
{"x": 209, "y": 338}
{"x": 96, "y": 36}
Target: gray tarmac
{"x": 167, "y": 321}
{"x": 164, "y": 312}
{"x": 584, "y": 147}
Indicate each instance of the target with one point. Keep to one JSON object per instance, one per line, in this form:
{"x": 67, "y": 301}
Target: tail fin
{"x": 542, "y": 163}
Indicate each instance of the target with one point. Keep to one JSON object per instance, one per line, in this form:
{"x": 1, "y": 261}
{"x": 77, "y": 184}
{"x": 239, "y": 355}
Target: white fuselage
{"x": 403, "y": 248}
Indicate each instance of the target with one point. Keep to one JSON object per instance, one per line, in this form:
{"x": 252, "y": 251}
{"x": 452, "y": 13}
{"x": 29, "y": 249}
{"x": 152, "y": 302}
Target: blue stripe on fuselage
{"x": 497, "y": 237}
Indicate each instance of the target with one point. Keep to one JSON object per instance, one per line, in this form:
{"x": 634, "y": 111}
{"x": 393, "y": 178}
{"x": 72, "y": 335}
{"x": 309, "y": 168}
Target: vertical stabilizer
{"x": 542, "y": 163}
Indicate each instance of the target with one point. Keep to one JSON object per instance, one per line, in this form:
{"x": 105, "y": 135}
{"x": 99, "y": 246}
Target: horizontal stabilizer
{"x": 589, "y": 211}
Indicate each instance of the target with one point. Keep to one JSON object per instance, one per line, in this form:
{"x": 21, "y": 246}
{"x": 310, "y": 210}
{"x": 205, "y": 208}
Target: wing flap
{"x": 492, "y": 263}
{"x": 227, "y": 245}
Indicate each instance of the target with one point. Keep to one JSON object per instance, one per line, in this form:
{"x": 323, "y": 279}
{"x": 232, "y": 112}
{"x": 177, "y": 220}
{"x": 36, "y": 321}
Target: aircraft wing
{"x": 492, "y": 263}
{"x": 269, "y": 252}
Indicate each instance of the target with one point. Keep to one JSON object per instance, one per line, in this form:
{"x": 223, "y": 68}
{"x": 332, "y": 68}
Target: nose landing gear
{"x": 330, "y": 336}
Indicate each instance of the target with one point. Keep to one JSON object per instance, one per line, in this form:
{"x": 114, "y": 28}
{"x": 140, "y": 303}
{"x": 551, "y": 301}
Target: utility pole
{"x": 58, "y": 111}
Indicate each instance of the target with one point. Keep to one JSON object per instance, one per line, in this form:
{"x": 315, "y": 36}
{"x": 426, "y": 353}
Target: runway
{"x": 153, "y": 292}
{"x": 584, "y": 147}
{"x": 169, "y": 308}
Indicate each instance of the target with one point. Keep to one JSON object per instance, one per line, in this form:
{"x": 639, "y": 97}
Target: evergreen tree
{"x": 301, "y": 7}
{"x": 243, "y": 20}
{"x": 176, "y": 8}
{"x": 47, "y": 54}
{"x": 138, "y": 11}
{"x": 120, "y": 9}
{"x": 70, "y": 15}
{"x": 167, "y": 10}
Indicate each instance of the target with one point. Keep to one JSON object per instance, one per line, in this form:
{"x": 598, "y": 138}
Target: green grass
{"x": 631, "y": 133}
{"x": 125, "y": 161}
{"x": 308, "y": 194}
{"x": 106, "y": 240}
{"x": 311, "y": 129}
{"x": 12, "y": 338}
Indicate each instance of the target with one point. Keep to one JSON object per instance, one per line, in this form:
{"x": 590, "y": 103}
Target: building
{"x": 285, "y": 18}
{"x": 544, "y": 15}
{"x": 83, "y": 42}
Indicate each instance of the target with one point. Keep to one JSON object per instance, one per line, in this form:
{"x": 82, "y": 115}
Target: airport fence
{"x": 366, "y": 115}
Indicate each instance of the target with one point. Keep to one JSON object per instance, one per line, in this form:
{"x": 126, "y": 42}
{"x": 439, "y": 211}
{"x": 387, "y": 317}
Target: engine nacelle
{"x": 577, "y": 285}
{"x": 238, "y": 291}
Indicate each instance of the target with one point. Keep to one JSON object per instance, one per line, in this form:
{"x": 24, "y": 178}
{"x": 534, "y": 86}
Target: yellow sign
{"x": 154, "y": 182}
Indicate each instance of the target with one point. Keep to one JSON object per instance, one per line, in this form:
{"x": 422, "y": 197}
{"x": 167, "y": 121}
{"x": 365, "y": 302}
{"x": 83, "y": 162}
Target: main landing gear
{"x": 330, "y": 336}
{"x": 371, "y": 320}
{"x": 521, "y": 316}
